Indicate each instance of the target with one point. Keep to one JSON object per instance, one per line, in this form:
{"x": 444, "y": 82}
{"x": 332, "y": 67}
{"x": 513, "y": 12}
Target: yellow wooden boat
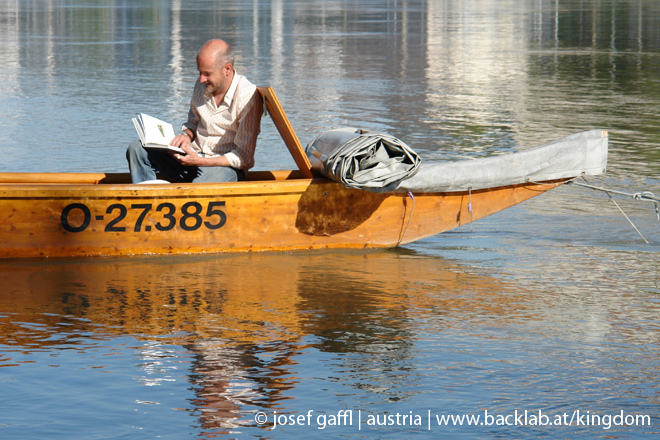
{"x": 103, "y": 214}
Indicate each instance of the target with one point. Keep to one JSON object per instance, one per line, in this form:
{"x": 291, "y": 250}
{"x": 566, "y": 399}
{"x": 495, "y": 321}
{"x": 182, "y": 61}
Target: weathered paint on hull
{"x": 53, "y": 218}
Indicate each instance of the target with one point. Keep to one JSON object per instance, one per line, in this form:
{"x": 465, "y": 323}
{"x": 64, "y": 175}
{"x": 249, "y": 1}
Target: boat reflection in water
{"x": 244, "y": 318}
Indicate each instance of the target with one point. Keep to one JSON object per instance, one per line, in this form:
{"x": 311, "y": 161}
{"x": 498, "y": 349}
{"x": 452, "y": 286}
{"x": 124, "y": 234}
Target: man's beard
{"x": 208, "y": 90}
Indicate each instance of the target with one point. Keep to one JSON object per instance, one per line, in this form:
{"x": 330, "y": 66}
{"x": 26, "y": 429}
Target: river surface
{"x": 542, "y": 320}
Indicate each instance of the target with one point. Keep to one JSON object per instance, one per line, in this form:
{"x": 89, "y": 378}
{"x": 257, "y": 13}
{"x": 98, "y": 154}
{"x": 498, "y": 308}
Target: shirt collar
{"x": 229, "y": 96}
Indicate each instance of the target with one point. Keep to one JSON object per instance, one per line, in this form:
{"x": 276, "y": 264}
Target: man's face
{"x": 216, "y": 79}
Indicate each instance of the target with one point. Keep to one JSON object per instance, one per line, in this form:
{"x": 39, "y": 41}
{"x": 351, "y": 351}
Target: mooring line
{"x": 645, "y": 196}
{"x": 412, "y": 197}
{"x": 470, "y": 207}
{"x": 624, "y": 214}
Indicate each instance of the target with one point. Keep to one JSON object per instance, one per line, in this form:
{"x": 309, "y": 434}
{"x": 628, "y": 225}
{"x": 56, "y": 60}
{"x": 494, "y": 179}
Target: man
{"x": 221, "y": 133}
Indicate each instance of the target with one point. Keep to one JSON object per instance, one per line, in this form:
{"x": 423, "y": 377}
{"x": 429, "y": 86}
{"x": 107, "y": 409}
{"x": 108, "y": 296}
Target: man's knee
{"x": 134, "y": 149}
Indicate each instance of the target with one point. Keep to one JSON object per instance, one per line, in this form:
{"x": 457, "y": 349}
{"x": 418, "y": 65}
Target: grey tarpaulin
{"x": 571, "y": 156}
{"x": 369, "y": 161}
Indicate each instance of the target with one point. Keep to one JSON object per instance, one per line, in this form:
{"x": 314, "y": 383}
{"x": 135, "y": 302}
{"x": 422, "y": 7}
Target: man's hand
{"x": 191, "y": 158}
{"x": 181, "y": 141}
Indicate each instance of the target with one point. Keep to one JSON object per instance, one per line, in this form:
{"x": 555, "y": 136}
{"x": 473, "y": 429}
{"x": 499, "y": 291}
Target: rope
{"x": 412, "y": 197}
{"x": 624, "y": 214}
{"x": 645, "y": 196}
{"x": 470, "y": 207}
{"x": 548, "y": 183}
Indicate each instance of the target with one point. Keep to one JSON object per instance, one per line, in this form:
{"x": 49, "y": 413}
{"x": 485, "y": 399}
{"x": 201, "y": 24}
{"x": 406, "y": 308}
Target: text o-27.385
{"x": 190, "y": 218}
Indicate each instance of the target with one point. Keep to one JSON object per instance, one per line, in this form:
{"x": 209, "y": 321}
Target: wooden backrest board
{"x": 278, "y": 116}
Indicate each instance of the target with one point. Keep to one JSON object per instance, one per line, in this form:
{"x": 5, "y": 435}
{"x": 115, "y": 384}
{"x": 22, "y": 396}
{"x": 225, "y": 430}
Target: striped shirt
{"x": 228, "y": 129}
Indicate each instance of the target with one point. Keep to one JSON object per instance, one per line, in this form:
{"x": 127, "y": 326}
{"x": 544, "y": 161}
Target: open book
{"x": 155, "y": 133}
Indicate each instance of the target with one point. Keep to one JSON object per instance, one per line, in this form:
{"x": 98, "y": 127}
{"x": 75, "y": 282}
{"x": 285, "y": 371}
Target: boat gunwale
{"x": 224, "y": 189}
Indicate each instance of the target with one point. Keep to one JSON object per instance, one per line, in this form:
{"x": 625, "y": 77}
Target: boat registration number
{"x": 77, "y": 217}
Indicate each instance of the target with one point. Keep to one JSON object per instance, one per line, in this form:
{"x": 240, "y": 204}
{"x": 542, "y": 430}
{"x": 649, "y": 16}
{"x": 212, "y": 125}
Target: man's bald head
{"x": 217, "y": 52}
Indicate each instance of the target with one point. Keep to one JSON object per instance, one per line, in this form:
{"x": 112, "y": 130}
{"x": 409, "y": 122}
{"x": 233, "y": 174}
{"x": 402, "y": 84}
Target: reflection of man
{"x": 223, "y": 384}
{"x": 221, "y": 133}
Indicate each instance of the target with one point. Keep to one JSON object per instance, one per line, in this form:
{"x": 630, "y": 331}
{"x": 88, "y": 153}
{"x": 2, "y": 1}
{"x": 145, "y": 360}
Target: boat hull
{"x": 67, "y": 215}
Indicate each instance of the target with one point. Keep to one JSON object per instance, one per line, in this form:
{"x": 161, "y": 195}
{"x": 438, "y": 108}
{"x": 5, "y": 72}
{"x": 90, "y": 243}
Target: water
{"x": 550, "y": 307}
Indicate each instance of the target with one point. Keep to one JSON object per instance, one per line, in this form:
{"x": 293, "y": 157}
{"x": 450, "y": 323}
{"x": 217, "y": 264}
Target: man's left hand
{"x": 191, "y": 158}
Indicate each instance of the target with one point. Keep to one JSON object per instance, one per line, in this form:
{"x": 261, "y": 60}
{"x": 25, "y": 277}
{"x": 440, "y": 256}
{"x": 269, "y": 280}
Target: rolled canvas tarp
{"x": 583, "y": 153}
{"x": 337, "y": 154}
{"x": 370, "y": 161}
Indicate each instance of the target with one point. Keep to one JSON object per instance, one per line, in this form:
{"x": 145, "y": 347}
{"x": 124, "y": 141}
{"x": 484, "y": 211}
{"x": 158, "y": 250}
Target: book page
{"x": 156, "y": 131}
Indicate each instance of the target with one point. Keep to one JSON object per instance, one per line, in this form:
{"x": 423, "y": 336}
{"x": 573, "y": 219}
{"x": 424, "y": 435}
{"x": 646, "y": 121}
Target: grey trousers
{"x": 144, "y": 164}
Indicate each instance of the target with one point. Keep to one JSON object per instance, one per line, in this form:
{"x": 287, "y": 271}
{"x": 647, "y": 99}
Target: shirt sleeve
{"x": 233, "y": 160}
{"x": 249, "y": 127}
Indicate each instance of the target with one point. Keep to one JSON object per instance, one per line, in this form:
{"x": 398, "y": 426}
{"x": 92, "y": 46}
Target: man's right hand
{"x": 182, "y": 140}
